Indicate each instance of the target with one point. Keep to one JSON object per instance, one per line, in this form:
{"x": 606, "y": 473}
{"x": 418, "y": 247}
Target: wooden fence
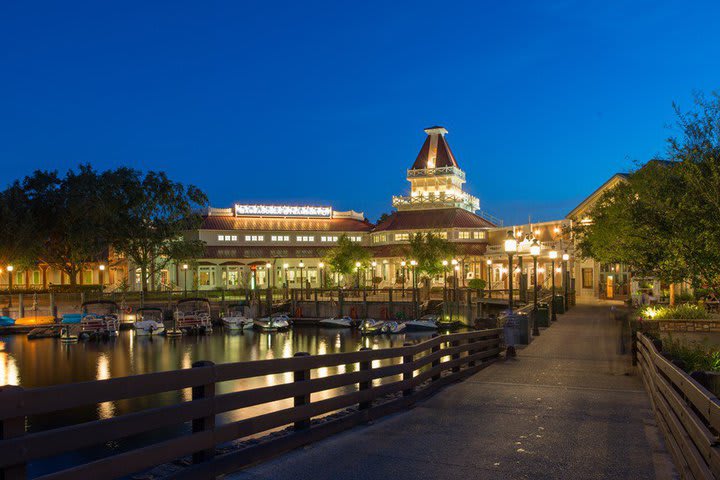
{"x": 411, "y": 372}
{"x": 687, "y": 413}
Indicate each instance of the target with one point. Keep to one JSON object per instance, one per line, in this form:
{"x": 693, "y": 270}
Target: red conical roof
{"x": 436, "y": 142}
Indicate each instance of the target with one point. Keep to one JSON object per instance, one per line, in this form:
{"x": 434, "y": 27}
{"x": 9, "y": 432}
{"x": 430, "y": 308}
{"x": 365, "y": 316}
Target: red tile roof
{"x": 432, "y": 219}
{"x": 445, "y": 157}
{"x": 217, "y": 222}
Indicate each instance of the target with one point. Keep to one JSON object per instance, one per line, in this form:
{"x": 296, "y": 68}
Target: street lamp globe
{"x": 510, "y": 243}
{"x": 566, "y": 257}
{"x": 357, "y": 264}
{"x": 445, "y": 263}
{"x": 403, "y": 263}
{"x": 454, "y": 262}
{"x": 321, "y": 265}
{"x": 101, "y": 267}
{"x": 457, "y": 268}
{"x": 489, "y": 262}
{"x": 286, "y": 266}
{"x": 373, "y": 263}
{"x": 185, "y": 266}
{"x": 535, "y": 248}
{"x": 268, "y": 266}
{"x": 553, "y": 254}
{"x": 10, "y": 268}
{"x": 413, "y": 263}
{"x": 301, "y": 264}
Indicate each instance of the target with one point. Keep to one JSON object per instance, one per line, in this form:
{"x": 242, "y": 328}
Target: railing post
{"x": 365, "y": 366}
{"x": 300, "y": 400}
{"x": 317, "y": 304}
{"x": 207, "y": 422}
{"x": 455, "y": 356}
{"x": 471, "y": 352}
{"x": 53, "y": 305}
{"x": 390, "y": 303}
{"x": 365, "y": 303}
{"x": 436, "y": 362}
{"x": 11, "y": 428}
{"x": 408, "y": 375}
{"x": 21, "y": 305}
{"x": 341, "y": 300}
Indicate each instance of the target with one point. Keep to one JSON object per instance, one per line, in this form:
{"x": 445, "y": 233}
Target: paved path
{"x": 568, "y": 407}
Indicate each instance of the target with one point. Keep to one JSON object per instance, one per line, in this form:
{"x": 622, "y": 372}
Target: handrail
{"x": 688, "y": 414}
{"x": 413, "y": 370}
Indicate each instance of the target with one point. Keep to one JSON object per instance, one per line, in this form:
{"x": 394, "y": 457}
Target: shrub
{"x": 477, "y": 284}
{"x": 685, "y": 311}
{"x": 696, "y": 356}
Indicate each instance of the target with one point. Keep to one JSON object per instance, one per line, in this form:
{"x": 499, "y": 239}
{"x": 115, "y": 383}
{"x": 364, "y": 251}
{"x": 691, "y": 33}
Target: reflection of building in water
{"x": 8, "y": 370}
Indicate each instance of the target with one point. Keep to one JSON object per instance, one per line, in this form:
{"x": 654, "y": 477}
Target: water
{"x": 44, "y": 362}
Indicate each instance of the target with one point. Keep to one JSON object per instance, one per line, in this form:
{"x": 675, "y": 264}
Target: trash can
{"x": 517, "y": 329}
{"x": 542, "y": 315}
{"x": 559, "y": 304}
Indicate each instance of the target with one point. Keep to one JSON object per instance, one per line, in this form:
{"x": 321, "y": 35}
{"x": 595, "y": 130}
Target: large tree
{"x": 155, "y": 213}
{"x": 664, "y": 220}
{"x": 345, "y": 254}
{"x": 429, "y": 250}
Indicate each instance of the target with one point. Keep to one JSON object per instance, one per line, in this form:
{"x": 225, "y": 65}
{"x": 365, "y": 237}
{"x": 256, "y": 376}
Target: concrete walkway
{"x": 569, "y": 406}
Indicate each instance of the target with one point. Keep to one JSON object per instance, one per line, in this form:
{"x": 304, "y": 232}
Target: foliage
{"x": 429, "y": 250}
{"x": 477, "y": 284}
{"x": 685, "y": 311}
{"x": 696, "y": 356}
{"x": 343, "y": 256}
{"x": 153, "y": 213}
{"x": 662, "y": 221}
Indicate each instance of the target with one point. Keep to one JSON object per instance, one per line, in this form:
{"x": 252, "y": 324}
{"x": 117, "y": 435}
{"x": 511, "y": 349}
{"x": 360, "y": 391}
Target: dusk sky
{"x": 325, "y": 103}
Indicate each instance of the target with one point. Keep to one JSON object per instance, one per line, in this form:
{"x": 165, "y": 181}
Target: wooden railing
{"x": 409, "y": 373}
{"x": 687, "y": 413}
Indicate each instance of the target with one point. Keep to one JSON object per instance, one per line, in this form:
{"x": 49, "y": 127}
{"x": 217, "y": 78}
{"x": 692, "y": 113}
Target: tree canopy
{"x": 429, "y": 250}
{"x": 663, "y": 220}
{"x": 343, "y": 256}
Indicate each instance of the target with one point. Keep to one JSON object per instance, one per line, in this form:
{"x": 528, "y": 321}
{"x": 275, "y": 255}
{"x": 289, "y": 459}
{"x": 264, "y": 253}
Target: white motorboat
{"x": 272, "y": 324}
{"x": 192, "y": 315}
{"x": 370, "y": 326}
{"x": 149, "y": 321}
{"x": 393, "y": 327}
{"x": 344, "y": 322}
{"x": 426, "y": 322}
{"x": 235, "y": 319}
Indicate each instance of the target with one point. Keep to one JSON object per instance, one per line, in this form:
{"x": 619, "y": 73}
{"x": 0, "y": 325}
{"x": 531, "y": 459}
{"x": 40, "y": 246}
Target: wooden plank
{"x": 71, "y": 395}
{"x": 73, "y": 437}
{"x": 136, "y": 460}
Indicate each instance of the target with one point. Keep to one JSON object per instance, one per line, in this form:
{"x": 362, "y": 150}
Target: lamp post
{"x": 444, "y": 264}
{"x": 321, "y": 271}
{"x": 101, "y": 273}
{"x": 357, "y": 269}
{"x": 510, "y": 249}
{"x": 535, "y": 251}
{"x": 489, "y": 262}
{"x": 185, "y": 268}
{"x": 268, "y": 270}
{"x": 553, "y": 256}
{"x": 402, "y": 264}
{"x": 566, "y": 275}
{"x": 372, "y": 275}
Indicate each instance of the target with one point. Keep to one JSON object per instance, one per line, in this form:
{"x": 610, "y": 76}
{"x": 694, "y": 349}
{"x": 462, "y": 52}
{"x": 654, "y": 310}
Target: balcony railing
{"x": 464, "y": 200}
{"x": 436, "y": 172}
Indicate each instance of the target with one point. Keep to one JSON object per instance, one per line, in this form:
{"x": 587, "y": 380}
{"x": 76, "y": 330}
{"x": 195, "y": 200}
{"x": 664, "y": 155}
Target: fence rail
{"x": 687, "y": 413}
{"x": 414, "y": 371}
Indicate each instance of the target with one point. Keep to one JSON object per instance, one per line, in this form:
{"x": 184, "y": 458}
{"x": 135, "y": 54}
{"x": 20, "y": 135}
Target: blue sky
{"x": 325, "y": 102}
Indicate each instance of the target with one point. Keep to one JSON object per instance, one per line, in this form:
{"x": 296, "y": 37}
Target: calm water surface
{"x": 43, "y": 362}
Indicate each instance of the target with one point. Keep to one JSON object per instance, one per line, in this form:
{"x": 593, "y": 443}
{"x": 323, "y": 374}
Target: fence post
{"x": 365, "y": 303}
{"x": 455, "y": 356}
{"x": 436, "y": 362}
{"x": 408, "y": 375}
{"x": 11, "y": 428}
{"x": 340, "y": 302}
{"x": 317, "y": 304}
{"x": 365, "y": 366}
{"x": 300, "y": 400}
{"x": 390, "y": 303}
{"x": 208, "y": 422}
{"x": 53, "y": 306}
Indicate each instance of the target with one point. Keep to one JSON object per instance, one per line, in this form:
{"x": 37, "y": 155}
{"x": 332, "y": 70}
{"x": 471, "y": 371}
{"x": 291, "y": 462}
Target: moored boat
{"x": 370, "y": 326}
{"x": 149, "y": 321}
{"x": 426, "y": 322}
{"x": 272, "y": 324}
{"x": 344, "y": 322}
{"x": 192, "y": 315}
{"x": 99, "y": 318}
{"x": 235, "y": 319}
{"x": 393, "y": 327}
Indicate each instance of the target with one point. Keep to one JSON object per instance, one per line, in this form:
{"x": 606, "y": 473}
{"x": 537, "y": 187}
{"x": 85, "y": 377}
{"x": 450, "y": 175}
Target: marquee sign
{"x": 282, "y": 211}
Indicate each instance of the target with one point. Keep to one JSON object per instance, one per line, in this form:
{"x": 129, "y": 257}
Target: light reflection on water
{"x": 43, "y": 362}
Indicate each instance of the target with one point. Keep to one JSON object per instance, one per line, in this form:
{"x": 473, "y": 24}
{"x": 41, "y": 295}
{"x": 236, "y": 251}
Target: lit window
{"x": 479, "y": 235}
{"x": 220, "y": 238}
{"x": 463, "y": 235}
{"x": 355, "y": 239}
{"x": 305, "y": 238}
{"x": 227, "y": 238}
{"x": 401, "y": 237}
{"x": 254, "y": 238}
{"x": 234, "y": 238}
